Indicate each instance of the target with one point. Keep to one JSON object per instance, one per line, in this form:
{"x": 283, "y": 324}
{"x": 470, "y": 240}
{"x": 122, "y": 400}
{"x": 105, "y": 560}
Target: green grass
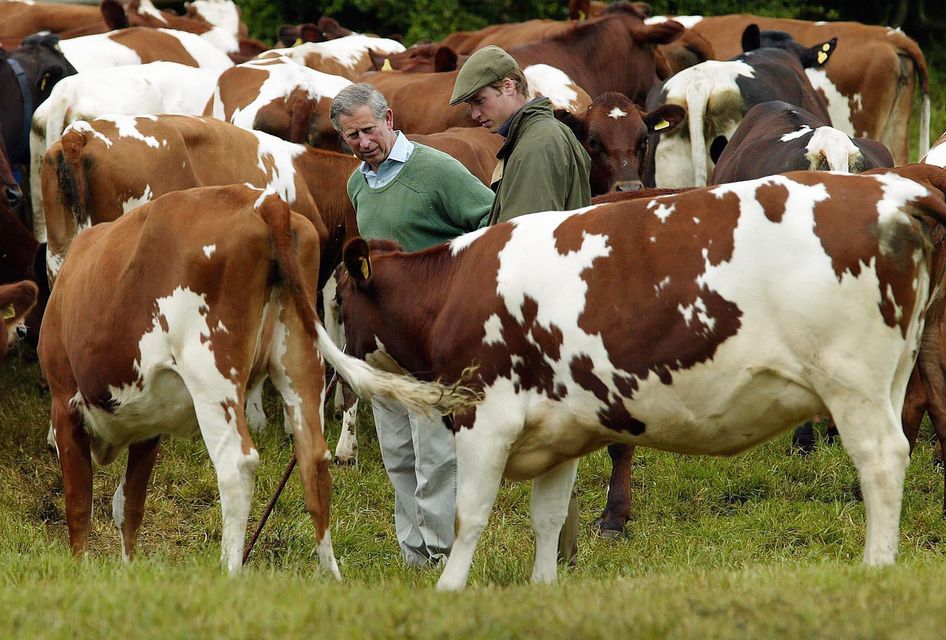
{"x": 763, "y": 544}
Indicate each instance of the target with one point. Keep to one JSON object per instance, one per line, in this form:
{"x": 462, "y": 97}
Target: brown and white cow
{"x": 281, "y": 97}
{"x": 869, "y": 84}
{"x": 16, "y": 301}
{"x": 104, "y": 168}
{"x": 140, "y": 45}
{"x": 200, "y": 294}
{"x": 674, "y": 322}
{"x": 775, "y": 137}
{"x": 614, "y": 131}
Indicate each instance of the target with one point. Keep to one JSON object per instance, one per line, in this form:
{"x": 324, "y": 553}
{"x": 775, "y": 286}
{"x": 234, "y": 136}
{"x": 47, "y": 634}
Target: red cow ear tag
{"x": 9, "y": 312}
{"x": 365, "y": 268}
{"x": 663, "y": 124}
{"x": 387, "y": 65}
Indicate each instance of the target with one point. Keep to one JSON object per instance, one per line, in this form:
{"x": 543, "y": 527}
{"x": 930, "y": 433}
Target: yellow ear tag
{"x": 365, "y": 268}
{"x": 581, "y": 15}
{"x": 826, "y": 47}
{"x": 663, "y": 124}
{"x": 822, "y": 56}
{"x": 297, "y": 42}
{"x": 9, "y": 312}
{"x": 42, "y": 84}
{"x": 387, "y": 65}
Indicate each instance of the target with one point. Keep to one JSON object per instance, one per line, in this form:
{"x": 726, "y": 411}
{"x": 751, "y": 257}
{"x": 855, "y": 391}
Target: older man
{"x": 417, "y": 196}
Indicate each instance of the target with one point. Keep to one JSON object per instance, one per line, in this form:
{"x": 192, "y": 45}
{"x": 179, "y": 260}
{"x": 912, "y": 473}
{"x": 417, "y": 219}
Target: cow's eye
{"x": 593, "y": 144}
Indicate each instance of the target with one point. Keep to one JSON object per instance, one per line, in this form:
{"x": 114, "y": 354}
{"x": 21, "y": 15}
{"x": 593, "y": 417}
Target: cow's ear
{"x": 287, "y": 35}
{"x": 445, "y": 59}
{"x": 49, "y": 77}
{"x": 665, "y": 118}
{"x": 573, "y": 122}
{"x": 309, "y": 32}
{"x": 114, "y": 14}
{"x": 818, "y": 55}
{"x": 751, "y": 38}
{"x": 357, "y": 261}
{"x": 377, "y": 59}
{"x": 717, "y": 146}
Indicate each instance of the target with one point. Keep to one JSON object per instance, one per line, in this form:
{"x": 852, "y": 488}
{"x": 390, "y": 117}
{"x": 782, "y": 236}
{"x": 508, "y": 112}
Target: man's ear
{"x": 358, "y": 262}
{"x": 389, "y": 118}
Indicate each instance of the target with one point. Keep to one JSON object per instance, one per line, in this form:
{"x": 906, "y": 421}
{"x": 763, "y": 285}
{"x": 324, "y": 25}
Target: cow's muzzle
{"x": 628, "y": 185}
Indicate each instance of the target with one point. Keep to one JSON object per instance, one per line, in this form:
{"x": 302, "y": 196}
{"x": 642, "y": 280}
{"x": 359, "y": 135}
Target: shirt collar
{"x": 400, "y": 152}
{"x": 504, "y": 130}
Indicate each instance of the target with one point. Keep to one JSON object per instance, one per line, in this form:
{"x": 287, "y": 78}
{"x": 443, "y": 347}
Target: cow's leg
{"x": 255, "y": 415}
{"x": 235, "y": 459}
{"x": 346, "y": 450}
{"x": 75, "y": 458}
{"x": 551, "y": 493}
{"x": 617, "y": 511}
{"x": 873, "y": 437}
{"x": 298, "y": 373}
{"x": 482, "y": 452}
{"x": 128, "y": 503}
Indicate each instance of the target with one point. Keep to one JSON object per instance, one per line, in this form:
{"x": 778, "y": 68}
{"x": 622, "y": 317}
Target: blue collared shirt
{"x": 392, "y": 165}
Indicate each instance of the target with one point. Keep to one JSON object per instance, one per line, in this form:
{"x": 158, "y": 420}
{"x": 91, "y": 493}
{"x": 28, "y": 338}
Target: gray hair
{"x": 355, "y": 96}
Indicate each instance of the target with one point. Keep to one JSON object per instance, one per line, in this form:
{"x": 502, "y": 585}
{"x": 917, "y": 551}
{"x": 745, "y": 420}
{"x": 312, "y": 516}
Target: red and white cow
{"x": 202, "y": 293}
{"x": 677, "y": 322}
{"x": 281, "y": 97}
{"x": 614, "y": 131}
{"x": 775, "y": 137}
{"x": 347, "y": 57}
{"x": 153, "y": 88}
{"x": 16, "y": 301}
{"x": 140, "y": 45}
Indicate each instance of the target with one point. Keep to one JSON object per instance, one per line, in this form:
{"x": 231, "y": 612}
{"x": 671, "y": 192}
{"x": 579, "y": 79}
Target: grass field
{"x": 761, "y": 545}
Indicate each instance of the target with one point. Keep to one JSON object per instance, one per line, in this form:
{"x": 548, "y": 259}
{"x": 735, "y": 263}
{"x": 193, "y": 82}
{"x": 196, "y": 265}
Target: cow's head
{"x": 422, "y": 57}
{"x": 16, "y": 301}
{"x": 44, "y": 63}
{"x": 359, "y": 301}
{"x": 614, "y": 131}
{"x": 290, "y": 35}
{"x": 809, "y": 57}
{"x": 331, "y": 29}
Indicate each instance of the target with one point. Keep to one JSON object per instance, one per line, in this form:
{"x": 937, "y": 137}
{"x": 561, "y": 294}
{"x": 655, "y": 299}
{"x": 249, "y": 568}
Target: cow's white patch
{"x": 97, "y": 51}
{"x": 209, "y": 55}
{"x": 493, "y": 330}
{"x": 134, "y": 203}
{"x": 805, "y": 129}
{"x": 128, "y": 128}
{"x": 660, "y": 286}
{"x": 835, "y": 147}
{"x": 686, "y": 21}
{"x": 554, "y": 84}
{"x": 616, "y": 113}
{"x": 276, "y": 159}
{"x": 936, "y": 155}
{"x": 84, "y": 127}
{"x": 897, "y": 191}
{"x": 661, "y": 210}
{"x": 460, "y": 243}
{"x": 223, "y": 14}
{"x": 839, "y": 107}
{"x": 209, "y": 249}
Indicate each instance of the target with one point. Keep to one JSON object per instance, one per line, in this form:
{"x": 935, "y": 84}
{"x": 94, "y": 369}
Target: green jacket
{"x": 542, "y": 166}
{"x": 432, "y": 200}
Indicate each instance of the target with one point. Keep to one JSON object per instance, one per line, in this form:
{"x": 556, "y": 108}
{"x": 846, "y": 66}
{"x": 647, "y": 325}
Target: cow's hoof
{"x": 608, "y": 531}
{"x": 345, "y": 462}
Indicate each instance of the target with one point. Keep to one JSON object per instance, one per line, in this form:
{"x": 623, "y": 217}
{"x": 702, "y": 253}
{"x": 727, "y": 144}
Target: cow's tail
{"x": 911, "y": 49}
{"x": 367, "y": 381}
{"x": 71, "y": 179}
{"x": 697, "y": 95}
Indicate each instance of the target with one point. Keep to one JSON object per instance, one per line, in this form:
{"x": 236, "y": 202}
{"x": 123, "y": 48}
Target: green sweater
{"x": 542, "y": 166}
{"x": 432, "y": 200}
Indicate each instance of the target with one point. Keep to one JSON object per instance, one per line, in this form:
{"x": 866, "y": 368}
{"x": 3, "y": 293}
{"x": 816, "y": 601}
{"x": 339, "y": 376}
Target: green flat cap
{"x": 488, "y": 65}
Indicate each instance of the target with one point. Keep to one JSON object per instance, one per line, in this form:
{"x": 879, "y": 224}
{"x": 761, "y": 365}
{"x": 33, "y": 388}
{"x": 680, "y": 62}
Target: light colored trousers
{"x": 420, "y": 458}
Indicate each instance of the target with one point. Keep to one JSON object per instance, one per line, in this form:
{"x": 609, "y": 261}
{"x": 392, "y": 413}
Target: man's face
{"x": 491, "y": 107}
{"x": 370, "y": 139}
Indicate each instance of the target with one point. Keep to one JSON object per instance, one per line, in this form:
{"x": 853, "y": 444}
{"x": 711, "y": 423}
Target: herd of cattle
{"x": 188, "y": 210}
